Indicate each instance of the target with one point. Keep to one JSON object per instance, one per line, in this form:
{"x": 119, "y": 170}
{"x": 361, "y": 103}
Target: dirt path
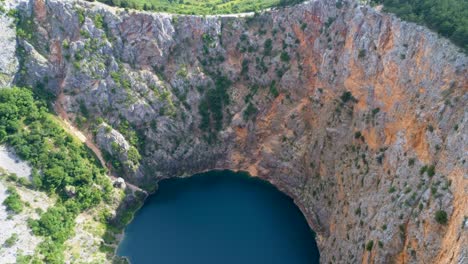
{"x": 86, "y": 139}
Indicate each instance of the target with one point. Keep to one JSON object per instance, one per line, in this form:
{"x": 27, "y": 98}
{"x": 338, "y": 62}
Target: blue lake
{"x": 219, "y": 217}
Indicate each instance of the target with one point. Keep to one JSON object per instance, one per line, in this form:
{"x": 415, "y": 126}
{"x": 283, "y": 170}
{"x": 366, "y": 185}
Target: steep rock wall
{"x": 345, "y": 109}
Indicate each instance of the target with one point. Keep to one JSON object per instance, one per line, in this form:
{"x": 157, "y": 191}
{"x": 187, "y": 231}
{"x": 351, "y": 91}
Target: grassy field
{"x": 200, "y": 7}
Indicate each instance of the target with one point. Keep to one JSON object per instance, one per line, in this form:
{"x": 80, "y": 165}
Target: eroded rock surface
{"x": 360, "y": 117}
{"x": 8, "y": 60}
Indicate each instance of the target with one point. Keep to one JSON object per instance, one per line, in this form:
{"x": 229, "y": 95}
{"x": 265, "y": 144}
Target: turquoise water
{"x": 219, "y": 217}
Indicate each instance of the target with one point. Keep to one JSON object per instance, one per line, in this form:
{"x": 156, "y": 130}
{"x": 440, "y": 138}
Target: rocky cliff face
{"x": 360, "y": 117}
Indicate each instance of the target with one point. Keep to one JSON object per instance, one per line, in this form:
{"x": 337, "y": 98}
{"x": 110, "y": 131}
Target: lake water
{"x": 219, "y": 217}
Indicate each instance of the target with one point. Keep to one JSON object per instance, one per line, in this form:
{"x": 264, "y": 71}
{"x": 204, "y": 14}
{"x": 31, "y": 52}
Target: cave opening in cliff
{"x": 219, "y": 217}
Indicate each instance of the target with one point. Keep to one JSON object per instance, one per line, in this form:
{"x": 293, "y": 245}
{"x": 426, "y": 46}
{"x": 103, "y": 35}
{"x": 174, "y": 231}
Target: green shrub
{"x": 441, "y": 217}
{"x": 245, "y": 66}
{"x": 65, "y": 44}
{"x": 430, "y": 170}
{"x": 361, "y": 54}
{"x": 273, "y": 91}
{"x": 285, "y": 56}
{"x": 357, "y": 211}
{"x": 182, "y": 72}
{"x": 347, "y": 96}
{"x": 11, "y": 240}
{"x": 357, "y": 135}
{"x": 81, "y": 15}
{"x": 375, "y": 111}
{"x": 250, "y": 111}
{"x": 423, "y": 169}
{"x": 99, "y": 21}
{"x": 133, "y": 155}
{"x": 267, "y": 47}
{"x": 339, "y": 4}
{"x": 370, "y": 245}
{"x": 13, "y": 202}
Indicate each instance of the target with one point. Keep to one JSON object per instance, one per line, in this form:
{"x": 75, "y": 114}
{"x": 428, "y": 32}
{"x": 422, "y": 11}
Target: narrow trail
{"x": 87, "y": 140}
{"x": 59, "y": 109}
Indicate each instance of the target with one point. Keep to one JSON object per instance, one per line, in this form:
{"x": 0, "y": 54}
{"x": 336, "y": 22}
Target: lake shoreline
{"x": 201, "y": 177}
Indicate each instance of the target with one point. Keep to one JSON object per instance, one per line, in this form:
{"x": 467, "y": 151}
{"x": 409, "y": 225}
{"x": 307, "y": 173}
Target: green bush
{"x": 370, "y": 245}
{"x": 98, "y": 21}
{"x": 285, "y": 56}
{"x": 347, "y": 96}
{"x": 273, "y": 90}
{"x": 13, "y": 202}
{"x": 362, "y": 54}
{"x": 133, "y": 155}
{"x": 267, "y": 47}
{"x": 357, "y": 135}
{"x": 250, "y": 111}
{"x": 423, "y": 169}
{"x": 11, "y": 240}
{"x": 441, "y": 217}
{"x": 430, "y": 170}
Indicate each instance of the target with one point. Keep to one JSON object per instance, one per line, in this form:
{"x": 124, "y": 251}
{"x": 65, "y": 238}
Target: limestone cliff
{"x": 358, "y": 116}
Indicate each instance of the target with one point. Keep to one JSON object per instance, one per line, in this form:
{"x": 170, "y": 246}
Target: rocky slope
{"x": 14, "y": 226}
{"x": 358, "y": 116}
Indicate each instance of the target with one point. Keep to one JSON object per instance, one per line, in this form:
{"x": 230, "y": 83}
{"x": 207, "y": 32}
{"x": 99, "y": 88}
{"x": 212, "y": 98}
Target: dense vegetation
{"x": 447, "y": 17}
{"x": 200, "y": 7}
{"x": 63, "y": 167}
